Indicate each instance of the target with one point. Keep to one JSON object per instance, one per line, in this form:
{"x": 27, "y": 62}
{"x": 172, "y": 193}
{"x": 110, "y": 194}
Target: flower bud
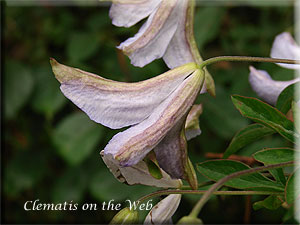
{"x": 189, "y": 220}
{"x": 126, "y": 216}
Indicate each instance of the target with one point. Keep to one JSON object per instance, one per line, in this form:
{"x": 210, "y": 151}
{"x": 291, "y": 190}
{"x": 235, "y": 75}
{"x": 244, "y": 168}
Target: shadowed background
{"x": 51, "y": 149}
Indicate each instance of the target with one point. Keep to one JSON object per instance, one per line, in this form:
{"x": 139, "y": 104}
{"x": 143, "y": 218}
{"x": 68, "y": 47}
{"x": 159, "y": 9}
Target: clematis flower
{"x": 284, "y": 47}
{"x": 156, "y": 109}
{"x": 167, "y": 33}
{"x": 163, "y": 211}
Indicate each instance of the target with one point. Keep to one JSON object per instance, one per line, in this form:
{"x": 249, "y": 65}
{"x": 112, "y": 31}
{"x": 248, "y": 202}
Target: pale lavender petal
{"x": 265, "y": 87}
{"x": 116, "y": 104}
{"x": 139, "y": 174}
{"x": 178, "y": 51}
{"x": 127, "y": 14}
{"x": 163, "y": 211}
{"x": 183, "y": 48}
{"x": 152, "y": 40}
{"x": 285, "y": 47}
{"x": 133, "y": 144}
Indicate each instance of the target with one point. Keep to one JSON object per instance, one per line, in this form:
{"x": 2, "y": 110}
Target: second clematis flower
{"x": 168, "y": 33}
{"x": 284, "y": 47}
{"x": 156, "y": 109}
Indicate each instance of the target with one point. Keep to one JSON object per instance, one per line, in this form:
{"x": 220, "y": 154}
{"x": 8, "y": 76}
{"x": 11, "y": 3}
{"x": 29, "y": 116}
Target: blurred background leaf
{"x": 75, "y": 137}
{"x": 18, "y": 87}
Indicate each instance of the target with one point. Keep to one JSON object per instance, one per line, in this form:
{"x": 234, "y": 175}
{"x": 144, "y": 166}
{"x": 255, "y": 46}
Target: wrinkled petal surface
{"x": 151, "y": 41}
{"x": 285, "y": 47}
{"x": 265, "y": 87}
{"x": 128, "y": 13}
{"x": 139, "y": 174}
{"x": 162, "y": 212}
{"x": 117, "y": 104}
{"x": 132, "y": 145}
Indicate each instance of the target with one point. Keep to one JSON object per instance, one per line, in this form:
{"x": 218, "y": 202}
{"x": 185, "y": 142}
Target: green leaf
{"x": 246, "y": 136}
{"x": 272, "y": 202}
{"x": 47, "y": 99}
{"x": 18, "y": 84}
{"x": 82, "y": 46}
{"x": 76, "y": 137}
{"x": 274, "y": 155}
{"x": 70, "y": 186}
{"x": 265, "y": 114}
{"x": 217, "y": 169}
{"x": 286, "y": 97}
{"x": 292, "y": 193}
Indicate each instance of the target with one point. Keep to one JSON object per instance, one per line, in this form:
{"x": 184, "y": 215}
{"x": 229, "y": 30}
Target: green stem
{"x": 187, "y": 187}
{"x": 201, "y": 192}
{"x": 246, "y": 59}
{"x": 197, "y": 208}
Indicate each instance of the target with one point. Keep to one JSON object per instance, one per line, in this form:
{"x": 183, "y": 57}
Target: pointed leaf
{"x": 217, "y": 169}
{"x": 246, "y": 136}
{"x": 274, "y": 155}
{"x": 265, "y": 114}
{"x": 286, "y": 97}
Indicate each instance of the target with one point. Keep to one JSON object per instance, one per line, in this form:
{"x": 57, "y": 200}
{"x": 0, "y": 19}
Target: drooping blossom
{"x": 156, "y": 109}
{"x": 167, "y": 33}
{"x": 284, "y": 47}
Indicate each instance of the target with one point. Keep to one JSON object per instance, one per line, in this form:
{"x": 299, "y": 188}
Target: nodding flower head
{"x": 156, "y": 109}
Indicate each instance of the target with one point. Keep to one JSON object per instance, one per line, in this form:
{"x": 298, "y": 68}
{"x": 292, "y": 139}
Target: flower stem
{"x": 201, "y": 192}
{"x": 197, "y": 208}
{"x": 187, "y": 187}
{"x": 246, "y": 59}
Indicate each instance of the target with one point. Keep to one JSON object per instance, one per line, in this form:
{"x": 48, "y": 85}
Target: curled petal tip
{"x": 285, "y": 47}
{"x": 265, "y": 87}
